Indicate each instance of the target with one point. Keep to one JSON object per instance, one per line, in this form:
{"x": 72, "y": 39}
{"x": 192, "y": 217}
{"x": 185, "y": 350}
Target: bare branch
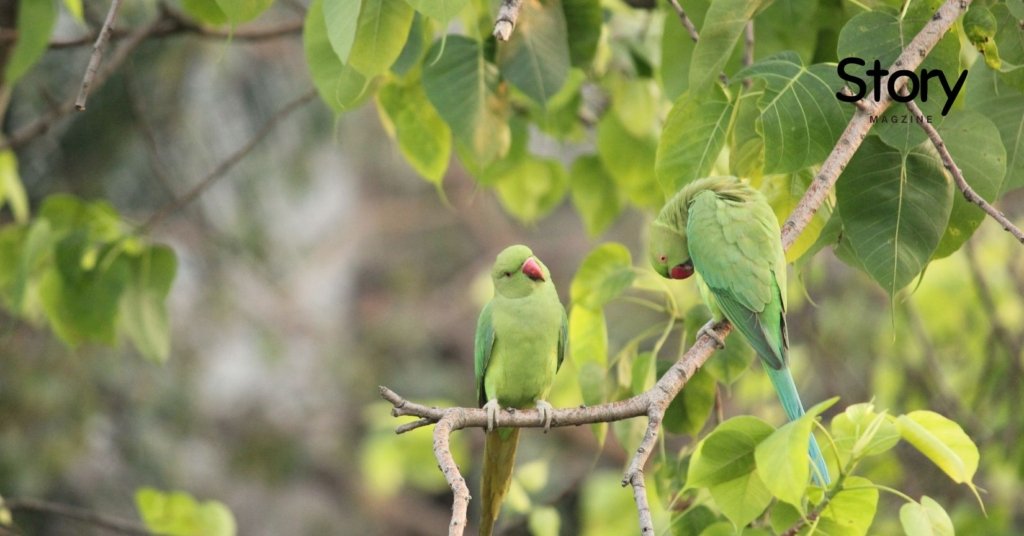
{"x": 225, "y": 166}
{"x": 97, "y": 54}
{"x": 654, "y": 401}
{"x": 111, "y": 523}
{"x": 506, "y": 21}
{"x": 860, "y": 124}
{"x": 958, "y": 176}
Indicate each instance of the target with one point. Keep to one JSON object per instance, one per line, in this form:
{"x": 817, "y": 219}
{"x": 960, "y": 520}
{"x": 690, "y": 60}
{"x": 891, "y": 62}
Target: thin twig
{"x": 226, "y": 165}
{"x": 506, "y": 21}
{"x": 683, "y": 18}
{"x": 97, "y": 54}
{"x": 958, "y": 176}
{"x": 115, "y": 524}
{"x": 43, "y": 124}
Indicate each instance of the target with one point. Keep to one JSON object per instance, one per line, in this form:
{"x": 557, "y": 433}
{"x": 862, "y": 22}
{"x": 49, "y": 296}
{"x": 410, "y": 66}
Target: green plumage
{"x": 520, "y": 344}
{"x": 728, "y": 233}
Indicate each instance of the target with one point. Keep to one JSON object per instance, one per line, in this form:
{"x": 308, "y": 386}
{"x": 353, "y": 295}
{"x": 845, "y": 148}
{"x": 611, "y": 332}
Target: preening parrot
{"x": 520, "y": 344}
{"x": 724, "y": 231}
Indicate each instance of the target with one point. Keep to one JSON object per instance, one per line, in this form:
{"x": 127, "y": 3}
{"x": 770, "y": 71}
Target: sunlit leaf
{"x": 36, "y": 19}
{"x": 588, "y": 336}
{"x": 239, "y": 11}
{"x": 533, "y": 188}
{"x": 544, "y": 521}
{"x": 593, "y": 194}
{"x": 423, "y": 137}
{"x": 206, "y": 11}
{"x": 722, "y": 27}
{"x": 694, "y": 134}
{"x": 630, "y": 161}
{"x": 925, "y": 519}
{"x": 179, "y": 514}
{"x": 441, "y": 10}
{"x": 861, "y": 431}
{"x": 380, "y": 36}
{"x": 943, "y": 442}
{"x": 782, "y": 459}
{"x": 12, "y": 192}
{"x": 339, "y": 85}
{"x": 341, "y": 17}
{"x": 604, "y": 274}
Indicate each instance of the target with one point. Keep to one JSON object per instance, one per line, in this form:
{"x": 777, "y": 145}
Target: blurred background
{"x": 321, "y": 267}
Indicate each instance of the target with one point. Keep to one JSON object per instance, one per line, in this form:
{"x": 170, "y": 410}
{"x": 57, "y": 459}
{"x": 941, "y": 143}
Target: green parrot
{"x": 724, "y": 231}
{"x": 520, "y": 344}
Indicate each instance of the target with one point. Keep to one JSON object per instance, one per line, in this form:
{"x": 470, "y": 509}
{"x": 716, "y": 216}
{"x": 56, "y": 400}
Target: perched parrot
{"x": 724, "y": 231}
{"x": 520, "y": 343}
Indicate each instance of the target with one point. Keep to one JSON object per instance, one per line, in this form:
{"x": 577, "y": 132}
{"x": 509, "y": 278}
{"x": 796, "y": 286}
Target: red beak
{"x": 532, "y": 270}
{"x": 681, "y": 271}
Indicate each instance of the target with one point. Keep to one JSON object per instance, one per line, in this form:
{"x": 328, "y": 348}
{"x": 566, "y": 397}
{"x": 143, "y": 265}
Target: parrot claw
{"x": 492, "y": 408}
{"x": 709, "y": 330}
{"x": 545, "y": 410}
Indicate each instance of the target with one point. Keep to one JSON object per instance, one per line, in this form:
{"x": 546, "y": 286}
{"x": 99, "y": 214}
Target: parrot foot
{"x": 545, "y": 410}
{"x": 709, "y": 330}
{"x": 492, "y": 408}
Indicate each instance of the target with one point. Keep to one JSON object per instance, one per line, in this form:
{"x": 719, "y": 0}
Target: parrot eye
{"x": 663, "y": 259}
{"x": 507, "y": 274}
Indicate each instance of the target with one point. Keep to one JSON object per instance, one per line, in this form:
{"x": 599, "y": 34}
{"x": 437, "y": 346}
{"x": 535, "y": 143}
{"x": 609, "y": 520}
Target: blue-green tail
{"x": 782, "y": 380}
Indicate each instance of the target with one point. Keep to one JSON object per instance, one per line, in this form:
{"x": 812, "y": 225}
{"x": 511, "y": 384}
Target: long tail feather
{"x": 499, "y": 459}
{"x": 782, "y": 381}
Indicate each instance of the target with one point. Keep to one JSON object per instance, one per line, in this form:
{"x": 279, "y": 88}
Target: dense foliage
{"x": 613, "y": 106}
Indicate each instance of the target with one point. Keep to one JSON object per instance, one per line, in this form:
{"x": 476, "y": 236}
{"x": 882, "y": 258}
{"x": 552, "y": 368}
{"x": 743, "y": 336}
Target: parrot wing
{"x": 737, "y": 254}
{"x": 563, "y": 339}
{"x": 483, "y": 342}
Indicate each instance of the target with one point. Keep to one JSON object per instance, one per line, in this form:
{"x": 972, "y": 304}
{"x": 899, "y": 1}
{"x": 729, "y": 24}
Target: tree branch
{"x": 506, "y": 21}
{"x": 225, "y": 166}
{"x": 97, "y": 54}
{"x": 115, "y": 524}
{"x": 858, "y": 127}
{"x": 683, "y": 18}
{"x": 958, "y": 176}
{"x": 654, "y": 401}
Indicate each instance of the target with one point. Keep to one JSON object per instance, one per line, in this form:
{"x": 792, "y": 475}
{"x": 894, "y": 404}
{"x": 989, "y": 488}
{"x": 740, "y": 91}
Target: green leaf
{"x": 179, "y": 514}
{"x": 883, "y": 35}
{"x": 583, "y": 20}
{"x": 782, "y": 459}
{"x": 694, "y": 135}
{"x": 415, "y": 46}
{"x": 536, "y": 58}
{"x": 604, "y": 274}
{"x": 643, "y": 375}
{"x": 440, "y": 10}
{"x": 594, "y": 194}
{"x": 81, "y": 303}
{"x": 724, "y": 463}
{"x": 463, "y": 88}
{"x": 925, "y": 519}
{"x": 341, "y": 17}
{"x": 533, "y": 188}
{"x": 588, "y": 336}
{"x": 746, "y": 146}
{"x": 206, "y": 11}
{"x": 75, "y": 8}
{"x": 693, "y": 521}
{"x": 1006, "y": 111}
{"x": 861, "y": 431}
{"x": 239, "y": 11}
{"x": 630, "y": 161}
{"x": 801, "y": 119}
{"x": 423, "y": 137}
{"x": 36, "y": 19}
{"x": 380, "y": 36}
{"x": 592, "y": 383}
{"x": 340, "y": 86}
{"x": 894, "y": 208}
{"x": 677, "y": 49}
{"x": 143, "y": 309}
{"x": 689, "y": 411}
{"x": 12, "y": 192}
{"x": 849, "y": 513}
{"x": 722, "y": 27}
{"x": 969, "y": 138}
{"x": 544, "y": 521}
{"x": 943, "y": 442}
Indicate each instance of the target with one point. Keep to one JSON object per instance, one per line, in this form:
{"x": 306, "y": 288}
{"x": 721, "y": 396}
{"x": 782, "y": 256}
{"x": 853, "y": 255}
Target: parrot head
{"x": 670, "y": 256}
{"x": 517, "y": 272}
